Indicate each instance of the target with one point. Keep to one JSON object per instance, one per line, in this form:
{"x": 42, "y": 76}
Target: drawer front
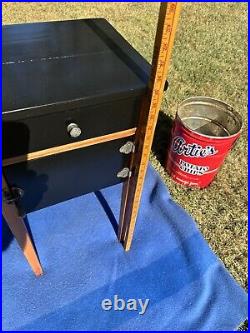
{"x": 38, "y": 133}
{"x": 54, "y": 179}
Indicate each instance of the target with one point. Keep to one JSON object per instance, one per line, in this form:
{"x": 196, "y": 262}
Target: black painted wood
{"x": 62, "y": 65}
{"x": 54, "y": 73}
{"x": 37, "y": 133}
{"x": 53, "y": 179}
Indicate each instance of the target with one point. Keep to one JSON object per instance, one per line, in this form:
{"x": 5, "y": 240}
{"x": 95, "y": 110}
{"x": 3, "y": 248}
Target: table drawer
{"x": 60, "y": 177}
{"x": 50, "y": 130}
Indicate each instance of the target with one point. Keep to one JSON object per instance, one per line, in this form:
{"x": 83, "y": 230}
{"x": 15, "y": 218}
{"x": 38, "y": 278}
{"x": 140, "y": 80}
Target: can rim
{"x": 211, "y": 99}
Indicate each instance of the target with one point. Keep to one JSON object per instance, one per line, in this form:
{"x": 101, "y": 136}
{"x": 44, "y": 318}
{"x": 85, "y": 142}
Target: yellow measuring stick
{"x": 132, "y": 189}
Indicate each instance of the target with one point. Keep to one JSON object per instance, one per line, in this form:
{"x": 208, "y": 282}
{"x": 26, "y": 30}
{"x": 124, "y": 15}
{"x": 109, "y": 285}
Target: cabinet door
{"x": 60, "y": 177}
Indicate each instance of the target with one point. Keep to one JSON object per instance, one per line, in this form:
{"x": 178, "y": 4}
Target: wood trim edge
{"x": 68, "y": 147}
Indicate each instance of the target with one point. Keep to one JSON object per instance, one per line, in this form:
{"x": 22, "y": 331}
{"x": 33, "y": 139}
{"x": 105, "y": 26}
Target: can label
{"x": 192, "y": 169}
{"x": 194, "y": 151}
{"x": 204, "y": 131}
{"x": 194, "y": 160}
{"x": 181, "y": 147}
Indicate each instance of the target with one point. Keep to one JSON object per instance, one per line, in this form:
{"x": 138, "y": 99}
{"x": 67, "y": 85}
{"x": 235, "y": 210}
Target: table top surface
{"x": 59, "y": 62}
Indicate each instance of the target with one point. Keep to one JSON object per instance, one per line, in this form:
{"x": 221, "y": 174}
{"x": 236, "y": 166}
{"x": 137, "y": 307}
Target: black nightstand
{"x": 71, "y": 97}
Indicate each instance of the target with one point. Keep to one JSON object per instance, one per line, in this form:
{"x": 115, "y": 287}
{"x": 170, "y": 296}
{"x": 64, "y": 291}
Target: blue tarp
{"x": 169, "y": 263}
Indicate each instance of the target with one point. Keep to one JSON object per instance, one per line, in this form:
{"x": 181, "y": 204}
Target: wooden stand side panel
{"x": 20, "y": 232}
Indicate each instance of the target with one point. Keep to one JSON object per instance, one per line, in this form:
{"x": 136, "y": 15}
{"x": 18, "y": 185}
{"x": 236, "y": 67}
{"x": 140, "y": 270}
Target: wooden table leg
{"x": 20, "y": 232}
{"x": 129, "y": 205}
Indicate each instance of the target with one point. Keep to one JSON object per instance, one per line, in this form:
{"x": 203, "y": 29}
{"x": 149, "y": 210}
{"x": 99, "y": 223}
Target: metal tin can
{"x": 204, "y": 131}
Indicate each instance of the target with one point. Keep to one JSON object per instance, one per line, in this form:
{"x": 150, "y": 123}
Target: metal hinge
{"x": 12, "y": 196}
{"x": 124, "y": 173}
{"x": 127, "y": 148}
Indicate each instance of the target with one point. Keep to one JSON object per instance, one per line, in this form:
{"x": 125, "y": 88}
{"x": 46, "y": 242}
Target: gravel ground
{"x": 209, "y": 58}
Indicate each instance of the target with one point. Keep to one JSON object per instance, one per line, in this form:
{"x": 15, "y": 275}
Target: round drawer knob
{"x": 74, "y": 130}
